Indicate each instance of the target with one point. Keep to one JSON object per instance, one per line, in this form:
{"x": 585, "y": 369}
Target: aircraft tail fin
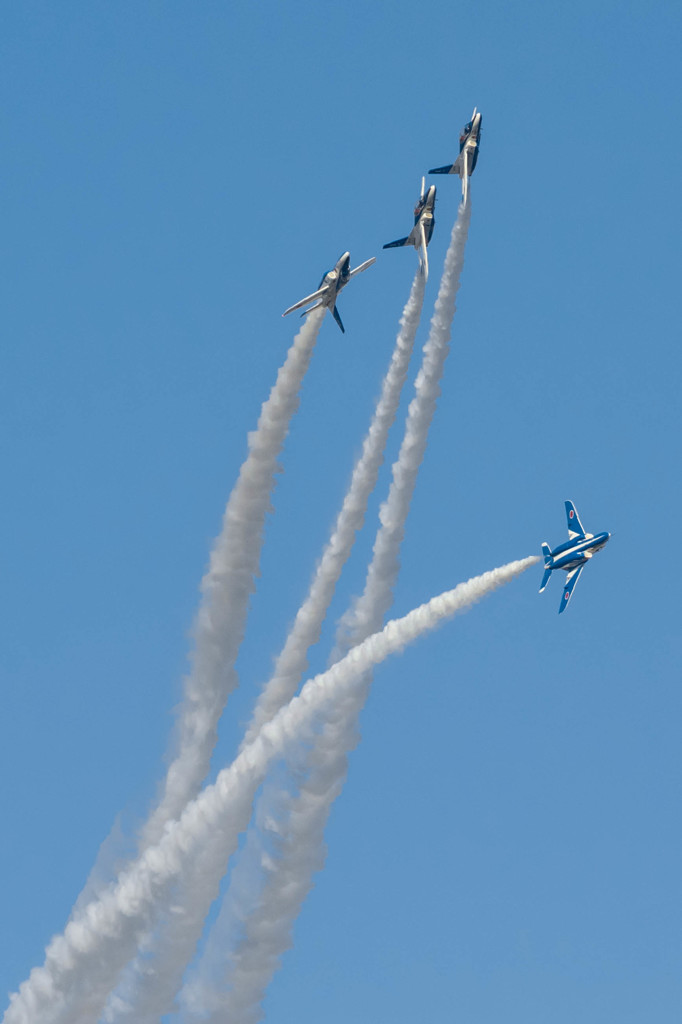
{"x": 336, "y": 316}
{"x": 398, "y": 241}
{"x": 546, "y": 553}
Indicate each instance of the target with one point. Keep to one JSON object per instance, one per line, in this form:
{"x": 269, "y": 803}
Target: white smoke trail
{"x": 292, "y": 661}
{"x": 226, "y": 589}
{"x": 368, "y": 613}
{"x": 267, "y": 929}
{"x": 81, "y": 965}
{"x": 150, "y": 988}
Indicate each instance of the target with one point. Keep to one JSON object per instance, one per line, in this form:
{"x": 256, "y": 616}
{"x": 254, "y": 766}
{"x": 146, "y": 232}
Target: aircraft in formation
{"x": 424, "y": 223}
{"x": 420, "y": 236}
{"x": 331, "y": 284}
{"x": 573, "y": 555}
{"x": 464, "y": 165}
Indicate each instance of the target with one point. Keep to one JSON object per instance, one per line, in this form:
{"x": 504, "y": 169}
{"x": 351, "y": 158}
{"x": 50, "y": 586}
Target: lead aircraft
{"x": 572, "y": 556}
{"x": 331, "y": 284}
{"x": 465, "y": 163}
{"x": 424, "y": 223}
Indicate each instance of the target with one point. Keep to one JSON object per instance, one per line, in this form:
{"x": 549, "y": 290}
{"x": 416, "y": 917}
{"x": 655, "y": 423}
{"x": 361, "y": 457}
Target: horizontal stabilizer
{"x": 398, "y": 241}
{"x": 450, "y": 169}
{"x": 546, "y": 553}
{"x": 545, "y": 579}
{"x": 306, "y": 311}
{"x": 305, "y": 301}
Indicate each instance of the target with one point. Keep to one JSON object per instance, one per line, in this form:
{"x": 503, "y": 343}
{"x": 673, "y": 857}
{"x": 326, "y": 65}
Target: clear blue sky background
{"x": 174, "y": 176}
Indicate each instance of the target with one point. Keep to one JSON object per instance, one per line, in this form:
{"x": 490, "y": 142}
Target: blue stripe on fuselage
{"x": 570, "y": 554}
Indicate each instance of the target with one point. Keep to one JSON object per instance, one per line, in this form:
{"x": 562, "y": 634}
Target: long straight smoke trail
{"x": 267, "y": 929}
{"x": 292, "y": 661}
{"x": 151, "y": 990}
{"x": 226, "y": 589}
{"x": 81, "y": 966}
{"x": 368, "y": 613}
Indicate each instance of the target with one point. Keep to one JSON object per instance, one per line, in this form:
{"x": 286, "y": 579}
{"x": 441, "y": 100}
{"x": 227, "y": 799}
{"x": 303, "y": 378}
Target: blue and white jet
{"x": 424, "y": 223}
{"x": 331, "y": 284}
{"x": 465, "y": 163}
{"x": 572, "y": 556}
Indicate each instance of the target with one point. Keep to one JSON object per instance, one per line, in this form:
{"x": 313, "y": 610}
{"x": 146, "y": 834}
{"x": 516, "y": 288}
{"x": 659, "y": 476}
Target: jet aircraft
{"x": 331, "y": 284}
{"x": 573, "y": 555}
{"x": 465, "y": 163}
{"x": 424, "y": 223}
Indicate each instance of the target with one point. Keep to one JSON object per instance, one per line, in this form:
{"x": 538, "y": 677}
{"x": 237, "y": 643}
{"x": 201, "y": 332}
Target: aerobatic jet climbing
{"x": 465, "y": 163}
{"x": 331, "y": 284}
{"x": 572, "y": 556}
{"x": 424, "y": 223}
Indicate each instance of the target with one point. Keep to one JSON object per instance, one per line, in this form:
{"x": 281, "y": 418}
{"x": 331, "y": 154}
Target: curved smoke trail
{"x": 82, "y": 964}
{"x": 267, "y": 929}
{"x": 149, "y": 989}
{"x": 226, "y": 589}
{"x": 292, "y": 661}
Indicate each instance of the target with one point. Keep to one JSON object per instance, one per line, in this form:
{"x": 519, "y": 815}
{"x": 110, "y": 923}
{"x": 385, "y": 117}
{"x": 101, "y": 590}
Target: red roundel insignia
{"x": 566, "y": 595}
{"x": 571, "y": 514}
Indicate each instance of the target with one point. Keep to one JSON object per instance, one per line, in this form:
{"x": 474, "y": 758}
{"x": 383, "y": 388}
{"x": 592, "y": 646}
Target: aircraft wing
{"x": 363, "y": 266}
{"x": 398, "y": 242}
{"x": 575, "y": 527}
{"x": 309, "y": 298}
{"x": 450, "y": 169}
{"x": 571, "y": 580}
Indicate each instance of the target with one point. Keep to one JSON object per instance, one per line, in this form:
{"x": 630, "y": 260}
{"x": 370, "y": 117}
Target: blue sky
{"x": 174, "y": 176}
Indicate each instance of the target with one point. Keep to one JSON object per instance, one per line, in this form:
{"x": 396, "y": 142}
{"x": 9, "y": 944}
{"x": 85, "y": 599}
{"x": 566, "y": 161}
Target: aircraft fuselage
{"x": 466, "y": 160}
{"x": 573, "y": 555}
{"x": 329, "y": 287}
{"x": 576, "y": 552}
{"x": 336, "y": 278}
{"x": 423, "y": 212}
